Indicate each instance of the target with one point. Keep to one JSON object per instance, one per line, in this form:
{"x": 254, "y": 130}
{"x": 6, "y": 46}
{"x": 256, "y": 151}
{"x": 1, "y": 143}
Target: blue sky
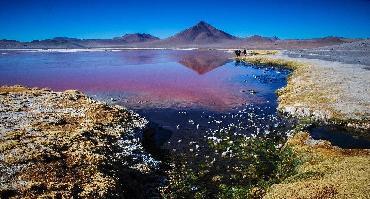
{"x": 26, "y": 20}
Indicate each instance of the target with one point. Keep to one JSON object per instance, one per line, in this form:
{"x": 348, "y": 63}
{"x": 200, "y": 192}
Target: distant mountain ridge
{"x": 201, "y": 35}
{"x": 137, "y": 37}
{"x": 258, "y": 38}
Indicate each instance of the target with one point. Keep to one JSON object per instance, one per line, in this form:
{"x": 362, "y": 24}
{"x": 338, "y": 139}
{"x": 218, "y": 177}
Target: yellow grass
{"x": 327, "y": 172}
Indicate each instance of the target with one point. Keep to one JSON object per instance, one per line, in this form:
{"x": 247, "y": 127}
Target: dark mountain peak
{"x": 204, "y": 24}
{"x": 201, "y": 33}
{"x": 206, "y": 27}
{"x": 137, "y": 37}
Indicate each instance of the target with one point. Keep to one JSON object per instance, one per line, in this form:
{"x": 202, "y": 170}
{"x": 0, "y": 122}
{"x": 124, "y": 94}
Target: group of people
{"x": 239, "y": 52}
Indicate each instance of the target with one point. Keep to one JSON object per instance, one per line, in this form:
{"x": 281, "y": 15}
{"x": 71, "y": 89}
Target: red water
{"x": 153, "y": 78}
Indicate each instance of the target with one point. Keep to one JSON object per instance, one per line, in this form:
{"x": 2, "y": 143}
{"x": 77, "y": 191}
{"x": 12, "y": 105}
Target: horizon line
{"x": 164, "y": 38}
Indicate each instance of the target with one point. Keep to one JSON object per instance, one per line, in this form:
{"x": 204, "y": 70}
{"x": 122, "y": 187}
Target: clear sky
{"x": 26, "y": 20}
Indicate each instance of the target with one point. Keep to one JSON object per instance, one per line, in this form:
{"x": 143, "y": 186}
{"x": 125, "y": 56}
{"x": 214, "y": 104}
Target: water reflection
{"x": 341, "y": 137}
{"x": 139, "y": 57}
{"x": 203, "y": 61}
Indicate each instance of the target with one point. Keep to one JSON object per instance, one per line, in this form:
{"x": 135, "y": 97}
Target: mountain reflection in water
{"x": 203, "y": 61}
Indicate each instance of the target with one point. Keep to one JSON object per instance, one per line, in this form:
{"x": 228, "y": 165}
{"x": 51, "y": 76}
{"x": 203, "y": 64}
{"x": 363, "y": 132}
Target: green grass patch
{"x": 241, "y": 168}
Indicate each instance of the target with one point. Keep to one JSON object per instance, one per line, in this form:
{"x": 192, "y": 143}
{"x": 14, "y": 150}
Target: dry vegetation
{"x": 327, "y": 172}
{"x": 55, "y": 144}
{"x": 262, "y": 52}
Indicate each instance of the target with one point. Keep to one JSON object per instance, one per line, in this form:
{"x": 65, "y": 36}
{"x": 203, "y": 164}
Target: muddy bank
{"x": 56, "y": 144}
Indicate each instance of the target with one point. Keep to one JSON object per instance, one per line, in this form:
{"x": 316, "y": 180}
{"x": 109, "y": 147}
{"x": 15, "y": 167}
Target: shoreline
{"x": 107, "y": 49}
{"x": 322, "y": 91}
